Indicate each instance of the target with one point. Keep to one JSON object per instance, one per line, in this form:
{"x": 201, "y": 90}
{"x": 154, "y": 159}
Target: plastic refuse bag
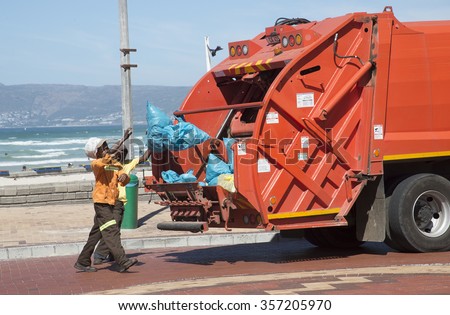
{"x": 157, "y": 136}
{"x": 162, "y": 134}
{"x": 185, "y": 135}
{"x": 172, "y": 177}
{"x": 227, "y": 182}
{"x": 188, "y": 177}
{"x": 214, "y": 168}
{"x": 156, "y": 117}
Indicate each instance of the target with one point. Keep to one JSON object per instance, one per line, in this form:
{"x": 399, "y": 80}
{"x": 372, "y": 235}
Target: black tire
{"x": 419, "y": 214}
{"x": 389, "y": 241}
{"x": 333, "y": 237}
{"x": 315, "y": 237}
{"x": 292, "y": 233}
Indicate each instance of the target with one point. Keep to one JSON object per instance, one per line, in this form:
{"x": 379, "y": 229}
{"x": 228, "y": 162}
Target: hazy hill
{"x": 53, "y": 104}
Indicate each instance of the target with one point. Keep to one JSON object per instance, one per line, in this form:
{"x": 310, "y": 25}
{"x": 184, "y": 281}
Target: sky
{"x": 77, "y": 41}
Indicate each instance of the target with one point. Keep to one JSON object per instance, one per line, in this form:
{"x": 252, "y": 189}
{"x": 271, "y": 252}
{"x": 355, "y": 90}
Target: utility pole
{"x": 125, "y": 68}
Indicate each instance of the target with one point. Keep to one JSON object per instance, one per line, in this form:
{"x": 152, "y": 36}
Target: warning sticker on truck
{"x": 303, "y": 156}
{"x": 272, "y": 118}
{"x": 305, "y": 100}
{"x": 304, "y": 142}
{"x": 263, "y": 166}
{"x": 241, "y": 148}
{"x": 378, "y": 132}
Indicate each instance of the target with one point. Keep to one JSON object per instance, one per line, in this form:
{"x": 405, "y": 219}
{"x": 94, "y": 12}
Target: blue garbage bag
{"x": 157, "y": 136}
{"x": 172, "y": 177}
{"x": 185, "y": 135}
{"x": 214, "y": 168}
{"x": 156, "y": 117}
{"x": 162, "y": 134}
{"x": 188, "y": 177}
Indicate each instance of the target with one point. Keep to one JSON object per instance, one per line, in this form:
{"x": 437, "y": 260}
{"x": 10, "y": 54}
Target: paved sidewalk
{"x": 57, "y": 230}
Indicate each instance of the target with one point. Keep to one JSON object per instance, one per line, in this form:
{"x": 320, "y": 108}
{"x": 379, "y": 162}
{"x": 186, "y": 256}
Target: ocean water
{"x": 56, "y": 146}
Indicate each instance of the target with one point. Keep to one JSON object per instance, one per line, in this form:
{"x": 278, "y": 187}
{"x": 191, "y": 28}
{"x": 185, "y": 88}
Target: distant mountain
{"x": 53, "y": 104}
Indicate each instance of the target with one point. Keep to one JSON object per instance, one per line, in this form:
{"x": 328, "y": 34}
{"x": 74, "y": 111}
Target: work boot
{"x": 130, "y": 262}
{"x": 80, "y": 267}
{"x": 102, "y": 260}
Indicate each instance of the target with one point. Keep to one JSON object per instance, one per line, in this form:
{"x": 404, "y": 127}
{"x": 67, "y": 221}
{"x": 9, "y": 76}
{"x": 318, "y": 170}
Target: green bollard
{"x": 129, "y": 220}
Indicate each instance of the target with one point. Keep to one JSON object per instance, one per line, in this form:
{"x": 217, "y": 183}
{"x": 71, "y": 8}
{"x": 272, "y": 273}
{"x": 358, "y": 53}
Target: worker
{"x": 104, "y": 195}
{"x": 102, "y": 254}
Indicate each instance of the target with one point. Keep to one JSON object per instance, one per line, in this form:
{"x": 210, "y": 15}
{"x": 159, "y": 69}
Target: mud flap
{"x": 371, "y": 212}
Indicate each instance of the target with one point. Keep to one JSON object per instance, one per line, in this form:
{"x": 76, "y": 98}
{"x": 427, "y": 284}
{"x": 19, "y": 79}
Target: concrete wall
{"x": 52, "y": 192}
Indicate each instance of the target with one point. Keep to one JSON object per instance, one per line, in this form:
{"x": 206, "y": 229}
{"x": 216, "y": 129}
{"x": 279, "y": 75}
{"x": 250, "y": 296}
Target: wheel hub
{"x": 424, "y": 218}
{"x": 431, "y": 213}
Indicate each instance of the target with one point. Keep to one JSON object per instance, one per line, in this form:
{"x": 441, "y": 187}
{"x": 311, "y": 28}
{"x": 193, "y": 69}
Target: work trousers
{"x": 102, "y": 251}
{"x": 106, "y": 228}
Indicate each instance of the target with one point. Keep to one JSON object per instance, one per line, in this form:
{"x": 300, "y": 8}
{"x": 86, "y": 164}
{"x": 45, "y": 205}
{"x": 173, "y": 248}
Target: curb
{"x": 67, "y": 249}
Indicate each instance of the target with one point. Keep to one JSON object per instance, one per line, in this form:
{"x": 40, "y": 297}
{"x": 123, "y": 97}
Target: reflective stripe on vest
{"x": 107, "y": 224}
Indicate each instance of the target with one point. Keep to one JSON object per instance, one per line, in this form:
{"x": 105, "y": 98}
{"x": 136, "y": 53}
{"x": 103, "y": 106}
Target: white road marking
{"x": 319, "y": 286}
{"x": 159, "y": 287}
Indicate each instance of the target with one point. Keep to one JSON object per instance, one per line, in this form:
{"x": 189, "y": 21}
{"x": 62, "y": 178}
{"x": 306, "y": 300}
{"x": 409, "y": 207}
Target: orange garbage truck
{"x": 335, "y": 130}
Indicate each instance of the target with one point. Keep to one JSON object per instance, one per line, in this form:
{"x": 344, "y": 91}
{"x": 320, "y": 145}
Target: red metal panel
{"x": 321, "y": 176}
{"x": 418, "y": 97}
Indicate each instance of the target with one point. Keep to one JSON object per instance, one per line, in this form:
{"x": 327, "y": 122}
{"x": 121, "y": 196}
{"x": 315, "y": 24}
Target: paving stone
{"x": 69, "y": 196}
{"x": 42, "y": 189}
{"x": 22, "y": 190}
{"x": 176, "y": 241}
{"x": 11, "y": 200}
{"x": 81, "y": 195}
{"x": 43, "y": 251}
{"x": 73, "y": 187}
{"x": 35, "y": 198}
{"x": 244, "y": 238}
{"x": 8, "y": 191}
{"x": 4, "y": 254}
{"x": 68, "y": 249}
{"x": 199, "y": 240}
{"x": 19, "y": 252}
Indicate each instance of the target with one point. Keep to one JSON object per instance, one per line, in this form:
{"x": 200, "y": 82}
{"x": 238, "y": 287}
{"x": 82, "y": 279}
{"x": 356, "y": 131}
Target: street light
{"x": 210, "y": 53}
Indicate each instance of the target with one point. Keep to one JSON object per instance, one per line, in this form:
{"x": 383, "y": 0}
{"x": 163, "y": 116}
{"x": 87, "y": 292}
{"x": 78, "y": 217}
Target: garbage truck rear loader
{"x": 340, "y": 129}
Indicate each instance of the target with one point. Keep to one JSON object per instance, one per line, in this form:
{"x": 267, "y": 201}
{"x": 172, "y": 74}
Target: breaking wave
{"x": 44, "y": 162}
{"x": 44, "y": 143}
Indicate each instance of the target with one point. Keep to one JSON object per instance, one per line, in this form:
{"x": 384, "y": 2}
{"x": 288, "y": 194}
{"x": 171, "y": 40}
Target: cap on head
{"x": 92, "y": 146}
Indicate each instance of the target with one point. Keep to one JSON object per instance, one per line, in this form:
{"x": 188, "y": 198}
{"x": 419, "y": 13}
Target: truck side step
{"x": 193, "y": 227}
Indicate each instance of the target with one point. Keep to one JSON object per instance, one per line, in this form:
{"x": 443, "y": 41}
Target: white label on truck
{"x": 305, "y": 100}
{"x": 378, "y": 132}
{"x": 263, "y": 166}
{"x": 303, "y": 156}
{"x": 272, "y": 118}
{"x": 241, "y": 148}
{"x": 304, "y": 141}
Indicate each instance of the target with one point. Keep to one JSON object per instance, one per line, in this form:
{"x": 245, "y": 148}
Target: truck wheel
{"x": 315, "y": 237}
{"x": 292, "y": 233}
{"x": 389, "y": 241}
{"x": 419, "y": 214}
{"x": 333, "y": 237}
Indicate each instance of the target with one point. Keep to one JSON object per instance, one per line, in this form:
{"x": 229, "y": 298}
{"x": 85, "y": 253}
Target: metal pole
{"x": 208, "y": 54}
{"x": 127, "y": 112}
